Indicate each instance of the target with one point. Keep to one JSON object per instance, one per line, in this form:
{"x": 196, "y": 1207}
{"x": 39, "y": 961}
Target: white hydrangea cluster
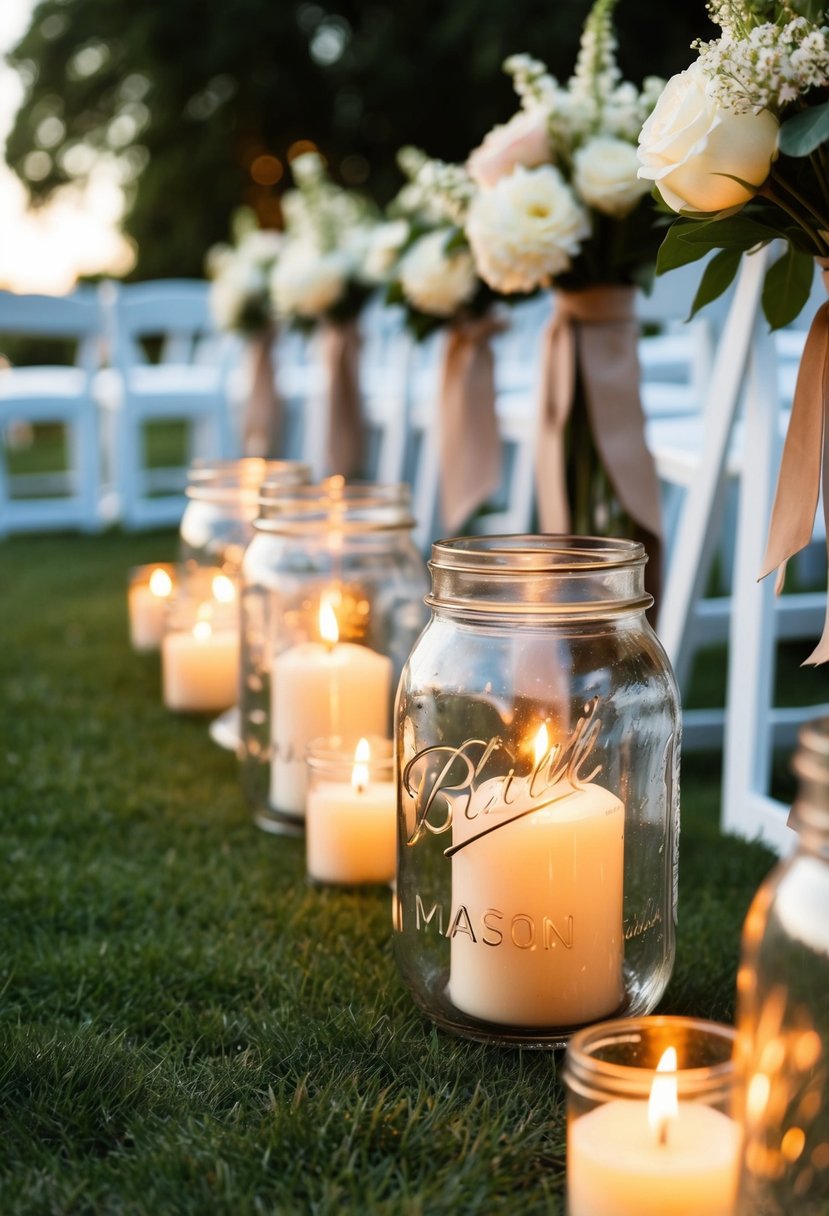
{"x": 768, "y": 67}
{"x": 240, "y": 274}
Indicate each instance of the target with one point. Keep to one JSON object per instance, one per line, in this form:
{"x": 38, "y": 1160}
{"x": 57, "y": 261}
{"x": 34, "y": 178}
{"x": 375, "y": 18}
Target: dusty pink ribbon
{"x": 805, "y": 454}
{"x": 470, "y": 446}
{"x": 262, "y": 424}
{"x": 593, "y": 337}
{"x": 340, "y": 348}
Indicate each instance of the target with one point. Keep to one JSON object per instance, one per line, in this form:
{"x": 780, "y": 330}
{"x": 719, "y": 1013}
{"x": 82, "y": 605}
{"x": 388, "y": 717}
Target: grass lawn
{"x": 186, "y": 1025}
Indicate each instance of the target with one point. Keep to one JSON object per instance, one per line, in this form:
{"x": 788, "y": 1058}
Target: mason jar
{"x": 783, "y": 1010}
{"x": 331, "y": 604}
{"x": 222, "y": 503}
{"x": 538, "y": 736}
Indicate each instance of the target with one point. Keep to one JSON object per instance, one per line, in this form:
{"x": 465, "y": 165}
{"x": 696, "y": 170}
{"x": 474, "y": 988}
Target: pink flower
{"x": 521, "y": 141}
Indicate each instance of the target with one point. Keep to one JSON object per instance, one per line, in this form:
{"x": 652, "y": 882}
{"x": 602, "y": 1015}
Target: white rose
{"x": 526, "y": 229}
{"x": 239, "y": 294}
{"x": 690, "y": 143}
{"x": 307, "y": 282}
{"x": 521, "y": 141}
{"x": 435, "y": 281}
{"x": 605, "y": 176}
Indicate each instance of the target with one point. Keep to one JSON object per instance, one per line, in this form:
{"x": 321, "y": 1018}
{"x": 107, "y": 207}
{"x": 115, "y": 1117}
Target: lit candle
{"x": 663, "y": 1157}
{"x": 148, "y": 600}
{"x": 537, "y": 880}
{"x": 322, "y": 688}
{"x": 200, "y": 668}
{"x": 350, "y": 827}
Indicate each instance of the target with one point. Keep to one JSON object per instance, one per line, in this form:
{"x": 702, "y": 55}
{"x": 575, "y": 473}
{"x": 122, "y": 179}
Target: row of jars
{"x": 536, "y": 734}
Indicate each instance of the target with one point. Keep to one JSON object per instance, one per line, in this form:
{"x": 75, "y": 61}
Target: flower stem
{"x": 767, "y": 192}
{"x": 795, "y": 194}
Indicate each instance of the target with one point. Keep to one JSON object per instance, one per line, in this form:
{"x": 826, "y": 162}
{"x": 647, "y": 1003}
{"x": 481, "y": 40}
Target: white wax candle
{"x": 319, "y": 689}
{"x": 536, "y": 925}
{"x": 200, "y": 669}
{"x": 616, "y": 1166}
{"x": 148, "y": 604}
{"x": 351, "y": 833}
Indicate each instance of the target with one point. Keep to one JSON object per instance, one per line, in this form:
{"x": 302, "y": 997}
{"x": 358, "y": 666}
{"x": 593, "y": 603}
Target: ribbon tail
{"x": 262, "y": 426}
{"x": 558, "y": 363}
{"x": 470, "y": 445}
{"x": 341, "y": 353}
{"x": 798, "y": 484}
{"x": 820, "y": 654}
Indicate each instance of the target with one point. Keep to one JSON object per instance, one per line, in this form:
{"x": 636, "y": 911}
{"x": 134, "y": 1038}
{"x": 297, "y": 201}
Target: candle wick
{"x": 662, "y": 1134}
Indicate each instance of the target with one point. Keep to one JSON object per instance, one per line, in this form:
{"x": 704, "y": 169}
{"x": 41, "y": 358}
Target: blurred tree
{"x": 201, "y": 103}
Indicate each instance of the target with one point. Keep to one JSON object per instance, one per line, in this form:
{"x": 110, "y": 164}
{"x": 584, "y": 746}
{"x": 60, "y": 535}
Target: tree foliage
{"x": 201, "y": 101}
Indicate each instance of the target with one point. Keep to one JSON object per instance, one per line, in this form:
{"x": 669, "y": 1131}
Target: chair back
{"x": 169, "y": 317}
{"x": 76, "y": 317}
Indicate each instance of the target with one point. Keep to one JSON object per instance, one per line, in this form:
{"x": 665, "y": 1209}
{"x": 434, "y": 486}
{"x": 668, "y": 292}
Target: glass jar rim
{"x": 591, "y": 1075}
{"x": 219, "y": 480}
{"x": 337, "y": 752}
{"x": 342, "y": 506}
{"x": 810, "y": 765}
{"x": 544, "y": 576}
{"x": 539, "y": 553}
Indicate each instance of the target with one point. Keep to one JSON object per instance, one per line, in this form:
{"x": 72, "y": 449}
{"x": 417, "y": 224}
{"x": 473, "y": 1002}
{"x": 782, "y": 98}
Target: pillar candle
{"x": 148, "y": 603}
{"x": 621, "y": 1163}
{"x": 200, "y": 668}
{"x": 536, "y": 927}
{"x": 351, "y": 827}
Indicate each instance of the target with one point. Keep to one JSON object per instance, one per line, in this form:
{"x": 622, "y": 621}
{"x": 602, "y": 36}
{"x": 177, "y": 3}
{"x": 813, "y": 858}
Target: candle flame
{"x": 161, "y": 585}
{"x": 223, "y": 589}
{"x": 359, "y": 774}
{"x": 202, "y": 631}
{"x": 329, "y": 629}
{"x": 541, "y": 744}
{"x": 663, "y": 1105}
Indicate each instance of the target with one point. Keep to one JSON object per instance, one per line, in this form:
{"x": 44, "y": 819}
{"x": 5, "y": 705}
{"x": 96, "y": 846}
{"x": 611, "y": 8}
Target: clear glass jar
{"x": 538, "y": 737}
{"x": 783, "y": 1010}
{"x": 200, "y": 646}
{"x": 650, "y": 1119}
{"x": 351, "y": 812}
{"x": 222, "y": 503}
{"x": 331, "y": 604}
{"x": 151, "y": 588}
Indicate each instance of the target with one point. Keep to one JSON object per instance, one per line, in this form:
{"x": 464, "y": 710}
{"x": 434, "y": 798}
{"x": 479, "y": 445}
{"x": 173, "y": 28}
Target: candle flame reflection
{"x": 161, "y": 585}
{"x": 202, "y": 631}
{"x": 663, "y": 1105}
{"x": 329, "y": 629}
{"x": 359, "y": 774}
{"x": 541, "y": 743}
{"x": 223, "y": 590}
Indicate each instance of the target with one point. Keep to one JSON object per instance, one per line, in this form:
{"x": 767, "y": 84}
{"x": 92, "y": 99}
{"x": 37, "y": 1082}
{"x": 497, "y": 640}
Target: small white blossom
{"x": 435, "y": 281}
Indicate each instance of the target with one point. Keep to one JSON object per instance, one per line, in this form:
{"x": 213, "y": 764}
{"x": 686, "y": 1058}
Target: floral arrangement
{"x": 737, "y": 146}
{"x": 552, "y": 197}
{"x": 240, "y": 290}
{"x": 320, "y": 272}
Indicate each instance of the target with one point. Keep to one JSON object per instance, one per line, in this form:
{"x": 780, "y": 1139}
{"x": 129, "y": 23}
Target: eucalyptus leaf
{"x": 717, "y": 276}
{"x": 786, "y": 288}
{"x": 801, "y": 134}
{"x": 738, "y": 231}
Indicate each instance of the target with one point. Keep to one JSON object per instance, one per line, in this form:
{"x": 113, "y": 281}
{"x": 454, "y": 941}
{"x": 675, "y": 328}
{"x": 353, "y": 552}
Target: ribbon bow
{"x": 593, "y": 337}
{"x": 470, "y": 446}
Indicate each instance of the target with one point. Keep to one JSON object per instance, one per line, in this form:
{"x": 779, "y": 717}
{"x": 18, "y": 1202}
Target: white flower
{"x": 307, "y": 282}
{"x": 435, "y": 281}
{"x": 693, "y": 149}
{"x": 383, "y": 249}
{"x": 605, "y": 176}
{"x": 239, "y": 294}
{"x": 526, "y": 229}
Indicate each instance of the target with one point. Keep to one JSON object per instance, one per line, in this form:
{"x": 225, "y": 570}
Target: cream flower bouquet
{"x": 552, "y": 200}
{"x": 738, "y": 146}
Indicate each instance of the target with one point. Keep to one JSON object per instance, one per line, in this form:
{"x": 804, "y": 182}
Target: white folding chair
{"x": 727, "y": 450}
{"x": 34, "y": 396}
{"x": 188, "y": 383}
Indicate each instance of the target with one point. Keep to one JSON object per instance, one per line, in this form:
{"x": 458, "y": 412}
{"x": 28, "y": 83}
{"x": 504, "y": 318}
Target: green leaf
{"x": 803, "y": 132}
{"x": 676, "y": 251}
{"x": 717, "y": 276}
{"x": 737, "y": 231}
{"x": 787, "y": 286}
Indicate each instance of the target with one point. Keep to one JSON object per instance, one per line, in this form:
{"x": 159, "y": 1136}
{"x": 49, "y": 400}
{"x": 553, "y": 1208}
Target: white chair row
{"x": 143, "y": 354}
